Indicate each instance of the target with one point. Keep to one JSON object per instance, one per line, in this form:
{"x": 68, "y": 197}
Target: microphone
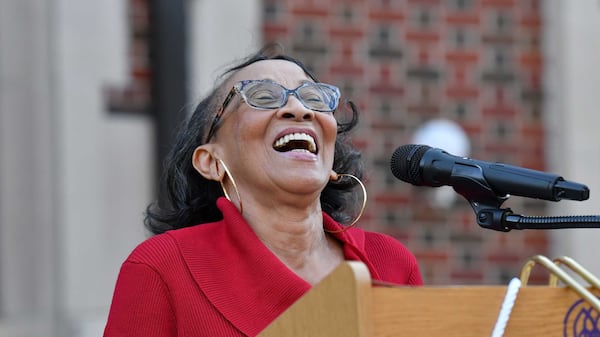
{"x": 422, "y": 165}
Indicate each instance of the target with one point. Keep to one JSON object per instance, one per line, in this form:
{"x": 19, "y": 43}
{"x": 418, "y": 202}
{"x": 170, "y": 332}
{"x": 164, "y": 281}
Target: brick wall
{"x": 477, "y": 63}
{"x": 134, "y": 96}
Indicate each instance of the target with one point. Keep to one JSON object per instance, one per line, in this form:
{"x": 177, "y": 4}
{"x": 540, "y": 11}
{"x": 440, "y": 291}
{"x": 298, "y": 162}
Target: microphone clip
{"x": 489, "y": 215}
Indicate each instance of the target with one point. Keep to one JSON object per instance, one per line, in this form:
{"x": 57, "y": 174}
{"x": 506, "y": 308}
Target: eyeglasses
{"x": 267, "y": 95}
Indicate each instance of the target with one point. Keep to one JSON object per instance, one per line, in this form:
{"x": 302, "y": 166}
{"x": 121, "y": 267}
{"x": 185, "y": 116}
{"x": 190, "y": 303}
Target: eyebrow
{"x": 304, "y": 81}
{"x": 307, "y": 81}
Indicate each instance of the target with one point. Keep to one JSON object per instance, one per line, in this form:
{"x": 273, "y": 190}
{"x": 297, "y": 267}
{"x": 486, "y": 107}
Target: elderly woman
{"x": 251, "y": 210}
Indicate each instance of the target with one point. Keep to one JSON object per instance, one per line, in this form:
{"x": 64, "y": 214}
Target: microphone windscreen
{"x": 405, "y": 163}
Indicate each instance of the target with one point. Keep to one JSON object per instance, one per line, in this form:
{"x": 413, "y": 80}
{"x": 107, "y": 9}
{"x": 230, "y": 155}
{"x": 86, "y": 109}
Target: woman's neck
{"x": 296, "y": 236}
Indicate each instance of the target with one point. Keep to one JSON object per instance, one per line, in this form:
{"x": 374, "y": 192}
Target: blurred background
{"x": 91, "y": 91}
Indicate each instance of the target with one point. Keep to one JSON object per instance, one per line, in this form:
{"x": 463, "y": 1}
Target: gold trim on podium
{"x": 578, "y": 269}
{"x": 557, "y": 273}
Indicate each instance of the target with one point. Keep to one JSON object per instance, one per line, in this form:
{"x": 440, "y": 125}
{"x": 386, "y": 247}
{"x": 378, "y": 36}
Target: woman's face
{"x": 288, "y": 149}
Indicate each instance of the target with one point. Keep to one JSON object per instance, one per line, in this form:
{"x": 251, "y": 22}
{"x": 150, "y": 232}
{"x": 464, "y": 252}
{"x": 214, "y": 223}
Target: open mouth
{"x": 296, "y": 142}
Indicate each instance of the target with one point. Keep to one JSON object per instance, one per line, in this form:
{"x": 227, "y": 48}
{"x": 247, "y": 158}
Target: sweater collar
{"x": 241, "y": 277}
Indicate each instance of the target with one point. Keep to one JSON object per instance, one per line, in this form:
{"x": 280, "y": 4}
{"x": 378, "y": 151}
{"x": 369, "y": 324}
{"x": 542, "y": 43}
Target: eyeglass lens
{"x": 270, "y": 95}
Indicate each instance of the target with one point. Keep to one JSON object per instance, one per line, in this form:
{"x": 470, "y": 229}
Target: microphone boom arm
{"x": 491, "y": 216}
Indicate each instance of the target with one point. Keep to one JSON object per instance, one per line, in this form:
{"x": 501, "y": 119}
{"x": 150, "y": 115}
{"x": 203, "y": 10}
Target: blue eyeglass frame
{"x": 239, "y": 86}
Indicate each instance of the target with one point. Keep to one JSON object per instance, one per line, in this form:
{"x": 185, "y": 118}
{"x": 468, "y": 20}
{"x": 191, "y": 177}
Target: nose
{"x": 294, "y": 109}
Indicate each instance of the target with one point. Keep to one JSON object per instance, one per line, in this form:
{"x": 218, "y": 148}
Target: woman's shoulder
{"x": 385, "y": 243}
{"x": 166, "y": 246}
{"x": 393, "y": 260}
{"x": 153, "y": 248}
{"x": 378, "y": 241}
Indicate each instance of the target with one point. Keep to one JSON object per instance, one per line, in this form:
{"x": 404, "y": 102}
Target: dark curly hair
{"x": 187, "y": 199}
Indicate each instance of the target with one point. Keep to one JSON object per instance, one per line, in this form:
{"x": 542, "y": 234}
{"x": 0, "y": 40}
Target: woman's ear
{"x": 205, "y": 162}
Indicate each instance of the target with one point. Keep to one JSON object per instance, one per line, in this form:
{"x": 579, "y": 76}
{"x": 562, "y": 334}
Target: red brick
{"x": 432, "y": 255}
{"x": 308, "y": 11}
{"x": 386, "y": 89}
{"x": 391, "y": 199}
{"x": 532, "y": 60}
{"x": 467, "y": 275}
{"x": 472, "y": 129}
{"x": 347, "y": 69}
{"x": 504, "y": 257}
{"x": 423, "y": 36}
{"x": 275, "y": 29}
{"x": 462, "y": 57}
{"x": 461, "y": 91}
{"x": 531, "y": 21}
{"x": 343, "y": 32}
{"x": 462, "y": 19}
{"x": 499, "y": 111}
{"x": 423, "y": 109}
{"x": 383, "y": 16}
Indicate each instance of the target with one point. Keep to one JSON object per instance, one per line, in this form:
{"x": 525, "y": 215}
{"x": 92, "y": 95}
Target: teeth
{"x": 312, "y": 145}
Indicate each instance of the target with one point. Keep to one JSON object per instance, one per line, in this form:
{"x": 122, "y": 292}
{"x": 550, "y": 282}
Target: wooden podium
{"x": 348, "y": 304}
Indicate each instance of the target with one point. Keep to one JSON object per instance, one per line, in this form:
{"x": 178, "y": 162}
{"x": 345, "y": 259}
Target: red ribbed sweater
{"x": 218, "y": 279}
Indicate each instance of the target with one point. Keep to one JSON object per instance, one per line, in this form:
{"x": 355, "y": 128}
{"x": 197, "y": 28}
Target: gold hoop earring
{"x": 237, "y": 192}
{"x": 364, "y": 202}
